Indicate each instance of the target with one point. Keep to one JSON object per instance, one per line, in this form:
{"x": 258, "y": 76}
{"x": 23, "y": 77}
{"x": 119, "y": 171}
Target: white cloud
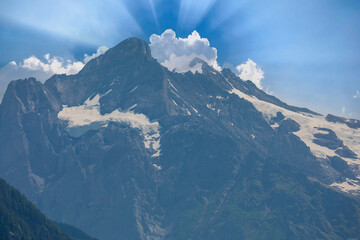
{"x": 357, "y": 94}
{"x": 38, "y": 68}
{"x": 51, "y": 65}
{"x": 177, "y": 53}
{"x": 250, "y": 71}
{"x": 42, "y": 69}
{"x": 101, "y": 50}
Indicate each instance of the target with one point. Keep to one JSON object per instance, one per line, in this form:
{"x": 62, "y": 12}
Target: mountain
{"x": 20, "y": 219}
{"x": 73, "y": 232}
{"x": 126, "y": 149}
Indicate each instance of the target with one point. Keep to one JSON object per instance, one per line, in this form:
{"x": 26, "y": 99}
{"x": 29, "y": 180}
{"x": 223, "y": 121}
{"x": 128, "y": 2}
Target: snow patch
{"x": 349, "y": 186}
{"x": 107, "y": 92}
{"x": 210, "y": 107}
{"x": 157, "y": 166}
{"x": 195, "y": 110}
{"x": 89, "y": 113}
{"x": 134, "y": 89}
{"x": 175, "y": 102}
{"x": 133, "y": 106}
{"x": 172, "y": 85}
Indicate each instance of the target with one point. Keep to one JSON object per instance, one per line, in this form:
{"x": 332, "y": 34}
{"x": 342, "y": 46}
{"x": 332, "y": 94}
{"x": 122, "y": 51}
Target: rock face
{"x": 126, "y": 149}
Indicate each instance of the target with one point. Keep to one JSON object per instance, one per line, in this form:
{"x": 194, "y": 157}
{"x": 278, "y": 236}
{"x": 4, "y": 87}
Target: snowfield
{"x": 309, "y": 124}
{"x": 89, "y": 113}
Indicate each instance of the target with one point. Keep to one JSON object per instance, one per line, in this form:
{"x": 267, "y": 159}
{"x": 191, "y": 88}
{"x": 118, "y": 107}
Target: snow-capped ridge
{"x": 310, "y": 126}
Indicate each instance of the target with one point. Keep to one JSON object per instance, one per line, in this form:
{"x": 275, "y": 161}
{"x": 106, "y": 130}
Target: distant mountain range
{"x": 126, "y": 149}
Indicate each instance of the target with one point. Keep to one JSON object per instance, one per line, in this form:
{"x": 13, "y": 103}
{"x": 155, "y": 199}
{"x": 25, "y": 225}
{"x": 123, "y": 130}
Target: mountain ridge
{"x": 20, "y": 219}
{"x": 166, "y": 155}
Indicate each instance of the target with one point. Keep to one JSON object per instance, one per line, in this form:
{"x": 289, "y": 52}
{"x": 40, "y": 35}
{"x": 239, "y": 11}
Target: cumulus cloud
{"x": 177, "y": 53}
{"x": 250, "y": 71}
{"x": 51, "y": 65}
{"x": 43, "y": 68}
{"x": 101, "y": 50}
{"x": 357, "y": 94}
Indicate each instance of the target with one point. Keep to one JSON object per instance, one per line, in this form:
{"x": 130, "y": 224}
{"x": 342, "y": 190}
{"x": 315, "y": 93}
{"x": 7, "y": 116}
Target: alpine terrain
{"x": 127, "y": 149}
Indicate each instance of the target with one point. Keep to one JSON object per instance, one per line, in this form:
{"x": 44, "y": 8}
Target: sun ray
{"x": 95, "y": 22}
{"x": 153, "y": 10}
{"x": 192, "y": 12}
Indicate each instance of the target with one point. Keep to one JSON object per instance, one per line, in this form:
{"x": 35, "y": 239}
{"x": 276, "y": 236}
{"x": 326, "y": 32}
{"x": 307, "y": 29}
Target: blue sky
{"x": 308, "y": 50}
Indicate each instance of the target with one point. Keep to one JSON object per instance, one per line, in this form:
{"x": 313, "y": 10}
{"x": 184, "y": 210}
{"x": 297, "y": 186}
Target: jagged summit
{"x": 132, "y": 46}
{"x": 129, "y": 48}
{"x": 120, "y": 68}
{"x": 132, "y": 50}
{"x": 197, "y": 60}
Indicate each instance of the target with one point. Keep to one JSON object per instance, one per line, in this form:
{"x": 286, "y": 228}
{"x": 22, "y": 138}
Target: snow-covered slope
{"x": 313, "y": 126}
{"x": 87, "y": 116}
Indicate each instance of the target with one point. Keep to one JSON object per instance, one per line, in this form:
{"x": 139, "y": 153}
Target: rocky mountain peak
{"x": 138, "y": 145}
{"x": 132, "y": 47}
{"x": 132, "y": 50}
{"x": 27, "y": 93}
